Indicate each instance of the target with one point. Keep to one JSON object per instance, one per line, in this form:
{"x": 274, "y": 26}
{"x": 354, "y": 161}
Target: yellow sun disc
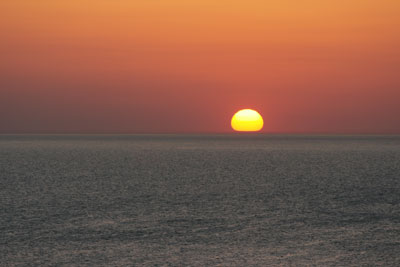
{"x": 247, "y": 120}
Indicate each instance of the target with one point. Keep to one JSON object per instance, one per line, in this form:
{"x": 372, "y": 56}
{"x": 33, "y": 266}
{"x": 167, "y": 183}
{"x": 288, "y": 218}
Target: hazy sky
{"x": 134, "y": 66}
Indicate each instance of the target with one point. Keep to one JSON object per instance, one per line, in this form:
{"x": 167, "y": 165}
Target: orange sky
{"x": 130, "y": 66}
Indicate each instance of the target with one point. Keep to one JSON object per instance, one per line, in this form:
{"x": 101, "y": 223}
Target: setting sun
{"x": 247, "y": 120}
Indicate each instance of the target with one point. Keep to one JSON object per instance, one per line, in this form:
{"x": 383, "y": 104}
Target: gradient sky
{"x": 163, "y": 66}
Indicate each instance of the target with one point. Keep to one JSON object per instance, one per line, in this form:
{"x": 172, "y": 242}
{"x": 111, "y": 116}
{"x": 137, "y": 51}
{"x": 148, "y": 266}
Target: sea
{"x": 199, "y": 200}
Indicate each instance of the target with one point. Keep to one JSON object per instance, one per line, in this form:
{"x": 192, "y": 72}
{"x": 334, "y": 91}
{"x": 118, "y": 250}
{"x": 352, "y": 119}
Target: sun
{"x": 247, "y": 120}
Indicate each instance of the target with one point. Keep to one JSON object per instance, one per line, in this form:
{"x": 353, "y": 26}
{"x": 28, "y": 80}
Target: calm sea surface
{"x": 228, "y": 200}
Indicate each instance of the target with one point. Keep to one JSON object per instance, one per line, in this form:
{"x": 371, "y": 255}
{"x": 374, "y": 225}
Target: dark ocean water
{"x": 228, "y": 200}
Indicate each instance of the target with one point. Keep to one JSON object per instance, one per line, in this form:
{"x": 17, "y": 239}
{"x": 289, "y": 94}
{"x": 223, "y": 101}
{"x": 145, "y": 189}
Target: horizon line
{"x": 204, "y": 133}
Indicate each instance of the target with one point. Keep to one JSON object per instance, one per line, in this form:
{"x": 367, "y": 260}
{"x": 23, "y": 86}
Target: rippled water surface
{"x": 229, "y": 200}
